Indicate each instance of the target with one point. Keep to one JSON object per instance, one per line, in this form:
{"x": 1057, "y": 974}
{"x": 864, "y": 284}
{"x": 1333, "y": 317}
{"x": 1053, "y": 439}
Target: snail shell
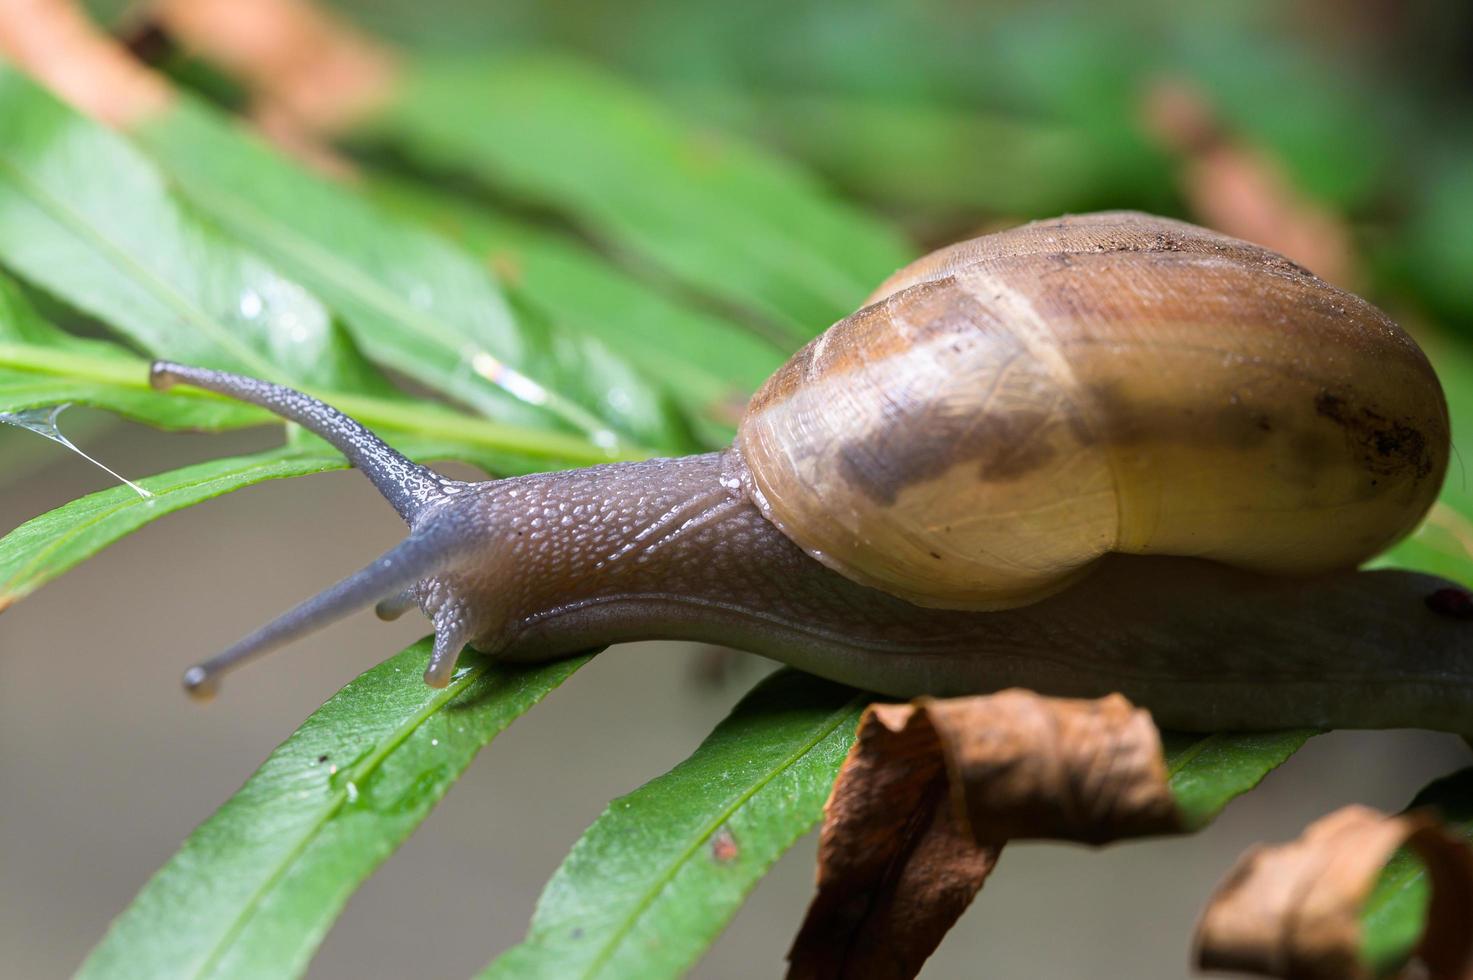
{"x": 1005, "y": 411}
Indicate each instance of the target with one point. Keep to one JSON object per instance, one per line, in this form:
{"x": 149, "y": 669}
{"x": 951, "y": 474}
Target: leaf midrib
{"x": 357, "y": 775}
{"x": 659, "y": 885}
{"x": 1180, "y": 764}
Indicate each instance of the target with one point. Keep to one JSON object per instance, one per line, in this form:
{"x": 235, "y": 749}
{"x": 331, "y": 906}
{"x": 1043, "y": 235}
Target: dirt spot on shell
{"x": 1385, "y": 446}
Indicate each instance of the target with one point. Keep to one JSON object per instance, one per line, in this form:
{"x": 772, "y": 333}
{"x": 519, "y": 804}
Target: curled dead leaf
{"x": 295, "y": 58}
{"x": 54, "y": 42}
{"x": 931, "y": 791}
{"x": 1293, "y": 911}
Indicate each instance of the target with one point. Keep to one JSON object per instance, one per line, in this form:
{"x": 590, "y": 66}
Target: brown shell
{"x": 1008, "y": 409}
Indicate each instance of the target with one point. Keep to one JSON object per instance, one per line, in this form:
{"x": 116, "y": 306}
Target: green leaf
{"x": 413, "y": 300}
{"x": 84, "y": 216}
{"x": 1207, "y": 772}
{"x": 24, "y": 331}
{"x": 255, "y": 888}
{"x": 659, "y": 874}
{"x": 46, "y": 546}
{"x": 119, "y": 376}
{"x": 711, "y": 364}
{"x": 1435, "y": 254}
{"x": 723, "y": 217}
{"x": 1397, "y": 909}
{"x": 920, "y": 158}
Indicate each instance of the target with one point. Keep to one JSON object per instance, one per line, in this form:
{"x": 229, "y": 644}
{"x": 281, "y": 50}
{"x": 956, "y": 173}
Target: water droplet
{"x": 508, "y": 378}
{"x": 251, "y": 304}
{"x": 42, "y": 421}
{"x": 434, "y": 741}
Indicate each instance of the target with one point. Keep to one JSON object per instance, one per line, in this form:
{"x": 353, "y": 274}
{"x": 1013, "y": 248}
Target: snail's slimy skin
{"x": 1105, "y": 453}
{"x": 676, "y": 549}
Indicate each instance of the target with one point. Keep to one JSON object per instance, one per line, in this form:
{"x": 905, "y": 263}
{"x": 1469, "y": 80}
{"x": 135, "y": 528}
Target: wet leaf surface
{"x": 254, "y": 889}
{"x": 648, "y": 887}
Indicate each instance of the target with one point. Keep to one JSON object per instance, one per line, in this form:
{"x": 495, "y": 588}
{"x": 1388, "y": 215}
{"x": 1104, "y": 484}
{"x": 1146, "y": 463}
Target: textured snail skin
{"x": 1260, "y": 418}
{"x": 1202, "y": 645}
{"x": 1009, "y": 409}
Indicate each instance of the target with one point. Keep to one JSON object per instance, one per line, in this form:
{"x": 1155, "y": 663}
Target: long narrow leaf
{"x": 432, "y": 422}
{"x": 413, "y": 300}
{"x": 255, "y": 888}
{"x": 84, "y": 215}
{"x": 722, "y": 216}
{"x": 24, "y": 329}
{"x": 659, "y": 874}
{"x": 921, "y": 157}
{"x": 710, "y": 363}
{"x": 651, "y": 884}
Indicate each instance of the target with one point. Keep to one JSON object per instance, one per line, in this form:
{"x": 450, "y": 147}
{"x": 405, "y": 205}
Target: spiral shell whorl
{"x": 1008, "y": 409}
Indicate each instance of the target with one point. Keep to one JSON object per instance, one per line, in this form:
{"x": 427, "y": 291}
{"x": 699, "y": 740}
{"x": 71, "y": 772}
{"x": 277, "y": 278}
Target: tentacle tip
{"x": 161, "y": 376}
{"x": 390, "y": 609}
{"x": 438, "y": 678}
{"x": 200, "y": 684}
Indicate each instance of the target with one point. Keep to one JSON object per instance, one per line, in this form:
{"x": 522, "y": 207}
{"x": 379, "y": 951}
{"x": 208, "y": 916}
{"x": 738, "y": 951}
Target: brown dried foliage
{"x": 1293, "y": 911}
{"x": 931, "y": 791}
{"x": 298, "y": 62}
{"x": 56, "y": 43}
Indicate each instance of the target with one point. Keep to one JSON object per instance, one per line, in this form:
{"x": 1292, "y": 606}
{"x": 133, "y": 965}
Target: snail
{"x": 1107, "y": 452}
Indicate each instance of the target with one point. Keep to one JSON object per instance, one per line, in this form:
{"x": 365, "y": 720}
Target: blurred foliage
{"x": 956, "y": 115}
{"x": 740, "y": 172}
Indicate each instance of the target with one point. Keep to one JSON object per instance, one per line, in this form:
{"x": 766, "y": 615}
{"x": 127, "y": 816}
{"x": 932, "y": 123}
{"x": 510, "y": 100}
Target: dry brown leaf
{"x": 56, "y": 43}
{"x": 1293, "y": 911}
{"x": 1241, "y": 190}
{"x": 931, "y": 791}
{"x": 295, "y": 59}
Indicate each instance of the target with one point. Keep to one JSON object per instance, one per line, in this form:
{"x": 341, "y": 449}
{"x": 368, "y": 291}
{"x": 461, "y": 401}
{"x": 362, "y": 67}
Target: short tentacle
{"x": 415, "y": 558}
{"x": 452, "y": 631}
{"x": 408, "y": 486}
{"x": 395, "y": 605}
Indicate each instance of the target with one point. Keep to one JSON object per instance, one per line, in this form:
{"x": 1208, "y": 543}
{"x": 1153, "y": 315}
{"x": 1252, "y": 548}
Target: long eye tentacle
{"x": 408, "y": 486}
{"x": 414, "y": 558}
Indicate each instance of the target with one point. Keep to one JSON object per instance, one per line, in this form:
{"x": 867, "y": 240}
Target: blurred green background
{"x": 946, "y": 116}
{"x": 943, "y": 117}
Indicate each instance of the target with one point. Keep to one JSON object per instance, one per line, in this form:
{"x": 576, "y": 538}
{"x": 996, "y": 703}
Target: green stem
{"x": 422, "y": 420}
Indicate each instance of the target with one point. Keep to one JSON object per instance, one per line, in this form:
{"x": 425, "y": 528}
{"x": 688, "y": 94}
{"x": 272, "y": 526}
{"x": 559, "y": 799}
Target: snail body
{"x": 1110, "y": 452}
